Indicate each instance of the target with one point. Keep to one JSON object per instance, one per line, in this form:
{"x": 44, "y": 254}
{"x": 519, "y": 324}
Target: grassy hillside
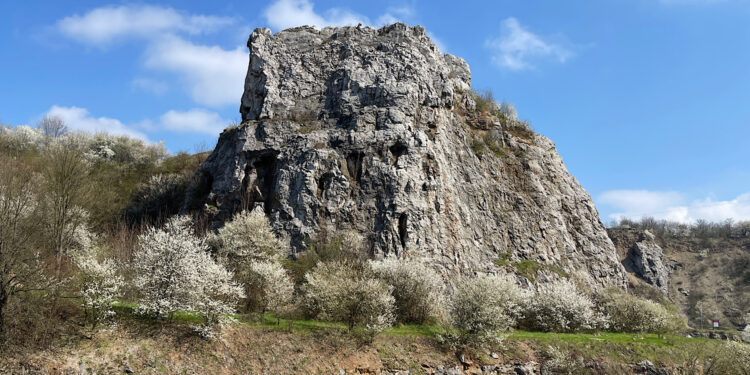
{"x": 258, "y": 345}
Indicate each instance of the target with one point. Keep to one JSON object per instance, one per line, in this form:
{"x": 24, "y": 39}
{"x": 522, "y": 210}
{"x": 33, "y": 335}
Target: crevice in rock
{"x": 354, "y": 165}
{"x": 402, "y": 223}
{"x": 324, "y": 182}
{"x": 258, "y": 183}
{"x": 397, "y": 150}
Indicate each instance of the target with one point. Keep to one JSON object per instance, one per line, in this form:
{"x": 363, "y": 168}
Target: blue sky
{"x": 648, "y": 101}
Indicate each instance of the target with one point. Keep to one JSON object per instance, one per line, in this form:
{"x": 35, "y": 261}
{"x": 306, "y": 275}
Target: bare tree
{"x": 66, "y": 173}
{"x": 52, "y": 126}
{"x": 21, "y": 263}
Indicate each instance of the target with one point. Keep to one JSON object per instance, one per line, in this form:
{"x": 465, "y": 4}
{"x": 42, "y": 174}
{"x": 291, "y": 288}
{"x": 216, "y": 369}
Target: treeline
{"x": 700, "y": 229}
{"x": 71, "y": 204}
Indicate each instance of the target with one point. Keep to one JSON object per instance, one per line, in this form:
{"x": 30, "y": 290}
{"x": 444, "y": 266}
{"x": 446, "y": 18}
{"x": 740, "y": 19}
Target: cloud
{"x": 153, "y": 86}
{"x": 80, "y": 119}
{"x": 635, "y": 204}
{"x": 213, "y": 76}
{"x": 284, "y": 14}
{"x": 194, "y": 121}
{"x": 517, "y": 47}
{"x": 101, "y": 26}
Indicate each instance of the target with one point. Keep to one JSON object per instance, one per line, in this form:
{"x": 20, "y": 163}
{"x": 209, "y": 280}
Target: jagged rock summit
{"x": 377, "y": 131}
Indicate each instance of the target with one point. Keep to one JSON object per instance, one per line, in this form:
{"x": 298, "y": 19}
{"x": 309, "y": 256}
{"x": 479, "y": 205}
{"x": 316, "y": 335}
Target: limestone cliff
{"x": 377, "y": 131}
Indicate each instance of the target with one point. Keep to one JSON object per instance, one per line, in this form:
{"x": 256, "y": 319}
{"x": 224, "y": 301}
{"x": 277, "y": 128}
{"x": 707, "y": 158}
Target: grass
{"x": 530, "y": 268}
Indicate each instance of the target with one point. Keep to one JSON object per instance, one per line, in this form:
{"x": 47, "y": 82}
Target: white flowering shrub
{"x": 248, "y": 237}
{"x": 96, "y": 147}
{"x": 559, "y": 306}
{"x": 337, "y": 291}
{"x": 99, "y": 283}
{"x": 22, "y": 138}
{"x": 268, "y": 287}
{"x": 484, "y": 308}
{"x": 746, "y": 334}
{"x": 174, "y": 271}
{"x": 628, "y": 313}
{"x": 417, "y": 289}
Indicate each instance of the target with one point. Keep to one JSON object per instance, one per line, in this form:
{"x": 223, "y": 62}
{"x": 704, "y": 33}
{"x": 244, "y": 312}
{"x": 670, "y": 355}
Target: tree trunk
{"x": 3, "y": 302}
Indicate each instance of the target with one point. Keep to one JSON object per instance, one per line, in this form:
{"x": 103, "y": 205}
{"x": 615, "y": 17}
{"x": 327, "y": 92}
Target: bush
{"x": 417, "y": 289}
{"x": 268, "y": 287}
{"x": 746, "y": 334}
{"x": 99, "y": 284}
{"x": 484, "y": 308}
{"x": 161, "y": 196}
{"x": 335, "y": 247}
{"x": 174, "y": 271}
{"x": 248, "y": 237}
{"x": 559, "y": 306}
{"x": 628, "y": 313}
{"x": 336, "y": 291}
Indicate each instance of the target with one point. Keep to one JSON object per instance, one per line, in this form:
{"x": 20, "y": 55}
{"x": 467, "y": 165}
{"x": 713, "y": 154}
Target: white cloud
{"x": 80, "y": 119}
{"x": 284, "y": 14}
{"x": 153, "y": 86}
{"x": 214, "y": 76}
{"x": 516, "y": 48}
{"x": 194, "y": 121}
{"x": 103, "y": 25}
{"x": 636, "y": 204}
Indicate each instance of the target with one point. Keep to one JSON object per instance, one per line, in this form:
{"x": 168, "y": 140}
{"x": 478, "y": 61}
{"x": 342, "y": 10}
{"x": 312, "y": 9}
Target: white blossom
{"x": 269, "y": 287}
{"x": 628, "y": 313}
{"x": 174, "y": 271}
{"x": 248, "y": 237}
{"x": 337, "y": 291}
{"x": 417, "y": 289}
{"x": 99, "y": 284}
{"x": 559, "y": 306}
{"x": 484, "y": 308}
{"x": 746, "y": 334}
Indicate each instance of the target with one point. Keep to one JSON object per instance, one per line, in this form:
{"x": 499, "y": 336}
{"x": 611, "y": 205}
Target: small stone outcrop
{"x": 646, "y": 259}
{"x": 377, "y": 131}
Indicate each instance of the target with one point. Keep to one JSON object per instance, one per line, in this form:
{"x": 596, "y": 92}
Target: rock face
{"x": 641, "y": 255}
{"x": 377, "y": 131}
{"x": 647, "y": 261}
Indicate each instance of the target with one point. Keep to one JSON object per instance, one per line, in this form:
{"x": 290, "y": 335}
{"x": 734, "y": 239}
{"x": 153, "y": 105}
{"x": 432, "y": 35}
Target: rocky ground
{"x": 135, "y": 345}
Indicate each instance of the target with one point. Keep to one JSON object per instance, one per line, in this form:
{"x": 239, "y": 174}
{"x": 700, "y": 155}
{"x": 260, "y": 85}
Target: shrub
{"x": 160, "y": 196}
{"x": 99, "y": 284}
{"x": 559, "y": 306}
{"x": 417, "y": 289}
{"x": 485, "y": 102}
{"x": 174, "y": 271}
{"x": 730, "y": 358}
{"x": 484, "y": 308}
{"x": 337, "y": 291}
{"x": 338, "y": 246}
{"x": 628, "y": 313}
{"x": 248, "y": 237}
{"x": 746, "y": 334}
{"x": 268, "y": 287}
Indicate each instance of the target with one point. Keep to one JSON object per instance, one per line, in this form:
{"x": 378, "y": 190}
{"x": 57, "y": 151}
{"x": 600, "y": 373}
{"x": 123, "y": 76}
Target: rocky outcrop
{"x": 642, "y": 256}
{"x": 376, "y": 131}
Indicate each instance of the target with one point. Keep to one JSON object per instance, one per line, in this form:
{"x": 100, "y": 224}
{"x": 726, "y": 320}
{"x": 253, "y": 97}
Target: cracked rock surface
{"x": 377, "y": 131}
